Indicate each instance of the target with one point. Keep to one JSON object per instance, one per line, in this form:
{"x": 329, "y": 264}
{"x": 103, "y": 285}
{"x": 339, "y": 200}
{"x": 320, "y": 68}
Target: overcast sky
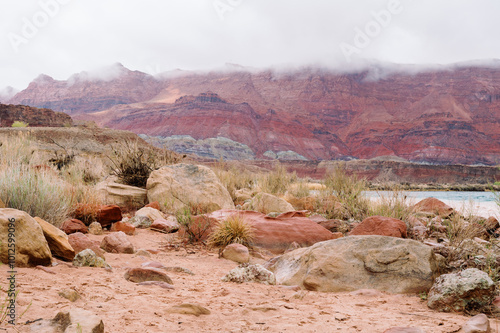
{"x": 62, "y": 37}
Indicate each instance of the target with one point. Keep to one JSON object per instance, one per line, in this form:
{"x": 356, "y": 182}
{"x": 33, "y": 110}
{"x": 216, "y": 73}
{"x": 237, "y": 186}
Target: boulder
{"x": 152, "y": 213}
{"x": 31, "y": 247}
{"x": 109, "y": 214}
{"x": 491, "y": 224}
{"x": 267, "y": 203}
{"x": 141, "y": 222}
{"x": 95, "y": 228}
{"x": 382, "y": 226}
{"x": 250, "y": 273}
{"x": 477, "y": 324}
{"x": 359, "y": 262}
{"x": 166, "y": 226}
{"x": 113, "y": 193}
{"x": 117, "y": 242}
{"x": 57, "y": 240}
{"x": 468, "y": 289}
{"x": 76, "y": 320}
{"x": 80, "y": 242}
{"x": 88, "y": 258}
{"x": 276, "y": 234}
{"x": 127, "y": 228}
{"x": 433, "y": 206}
{"x": 237, "y": 253}
{"x": 180, "y": 185}
{"x": 143, "y": 274}
{"x": 74, "y": 225}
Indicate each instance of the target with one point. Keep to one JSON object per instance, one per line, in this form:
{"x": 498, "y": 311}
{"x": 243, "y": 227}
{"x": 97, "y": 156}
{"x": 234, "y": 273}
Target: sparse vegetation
{"x": 233, "y": 178}
{"x": 18, "y": 123}
{"x": 277, "y": 181}
{"x": 234, "y": 229}
{"x": 394, "y": 204}
{"x": 133, "y": 163}
{"x": 195, "y": 228}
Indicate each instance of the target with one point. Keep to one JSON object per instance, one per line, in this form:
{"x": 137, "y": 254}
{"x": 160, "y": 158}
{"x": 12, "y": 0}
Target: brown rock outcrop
{"x": 34, "y": 117}
{"x": 380, "y": 225}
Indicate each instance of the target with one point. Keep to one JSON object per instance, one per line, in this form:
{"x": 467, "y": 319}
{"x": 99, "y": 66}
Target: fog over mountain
{"x": 63, "y": 37}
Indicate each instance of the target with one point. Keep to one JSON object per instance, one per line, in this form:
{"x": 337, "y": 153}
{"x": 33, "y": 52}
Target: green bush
{"x": 19, "y": 124}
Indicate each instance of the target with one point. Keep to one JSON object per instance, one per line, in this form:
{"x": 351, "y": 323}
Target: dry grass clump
{"x": 348, "y": 191}
{"x": 233, "y": 179}
{"x": 38, "y": 192}
{"x": 395, "y": 204}
{"x": 133, "y": 164}
{"x": 232, "y": 230}
{"x": 276, "y": 181}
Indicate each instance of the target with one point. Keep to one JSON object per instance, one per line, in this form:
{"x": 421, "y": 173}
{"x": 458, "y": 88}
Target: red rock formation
{"x": 445, "y": 116}
{"x": 433, "y": 206}
{"x": 380, "y": 225}
{"x": 34, "y": 117}
{"x": 72, "y": 226}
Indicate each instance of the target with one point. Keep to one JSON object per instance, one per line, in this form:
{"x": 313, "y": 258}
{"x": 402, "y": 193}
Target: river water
{"x": 478, "y": 203}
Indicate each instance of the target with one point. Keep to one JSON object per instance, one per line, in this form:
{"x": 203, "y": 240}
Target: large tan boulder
{"x": 277, "y": 234}
{"x": 180, "y": 185}
{"x": 57, "y": 240}
{"x": 359, "y": 262}
{"x": 267, "y": 203}
{"x": 113, "y": 193}
{"x": 31, "y": 247}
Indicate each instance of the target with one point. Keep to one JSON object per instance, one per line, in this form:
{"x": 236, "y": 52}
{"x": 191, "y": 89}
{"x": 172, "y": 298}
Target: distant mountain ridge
{"x": 443, "y": 116}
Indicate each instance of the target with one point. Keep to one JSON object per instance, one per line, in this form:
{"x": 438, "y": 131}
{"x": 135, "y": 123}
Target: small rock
{"x": 74, "y": 321}
{"x": 80, "y": 242}
{"x": 142, "y": 252}
{"x": 468, "y": 289}
{"x": 236, "y": 252}
{"x": 477, "y": 324}
{"x": 153, "y": 214}
{"x": 165, "y": 226}
{"x": 154, "y": 204}
{"x": 156, "y": 283}
{"x": 74, "y": 225}
{"x": 127, "y": 228}
{"x": 179, "y": 270}
{"x": 491, "y": 224}
{"x": 89, "y": 258}
{"x": 153, "y": 264}
{"x": 190, "y": 309}
{"x": 57, "y": 240}
{"x": 95, "y": 228}
{"x": 117, "y": 242}
{"x": 142, "y": 222}
{"x": 71, "y": 295}
{"x": 143, "y": 274}
{"x": 380, "y": 225}
{"x": 250, "y": 273}
{"x": 404, "y": 330}
{"x": 108, "y": 214}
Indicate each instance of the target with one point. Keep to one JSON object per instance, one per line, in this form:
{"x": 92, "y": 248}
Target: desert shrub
{"x": 133, "y": 164}
{"x": 19, "y": 124}
{"x": 37, "y": 192}
{"x": 233, "y": 178}
{"x": 348, "y": 191}
{"x": 395, "y": 204}
{"x": 232, "y": 230}
{"x": 195, "y": 228}
{"x": 16, "y": 150}
{"x": 88, "y": 171}
{"x": 276, "y": 181}
{"x": 300, "y": 189}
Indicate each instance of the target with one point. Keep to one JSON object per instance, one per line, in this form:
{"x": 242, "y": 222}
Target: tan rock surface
{"x": 57, "y": 240}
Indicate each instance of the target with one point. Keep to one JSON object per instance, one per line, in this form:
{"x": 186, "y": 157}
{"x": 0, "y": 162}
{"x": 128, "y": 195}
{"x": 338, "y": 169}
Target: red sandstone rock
{"x": 433, "y": 206}
{"x": 74, "y": 225}
{"x": 380, "y": 225}
{"x": 80, "y": 242}
{"x": 277, "y": 234}
{"x": 154, "y": 204}
{"x": 127, "y": 228}
{"x": 117, "y": 242}
{"x": 491, "y": 224}
{"x": 108, "y": 214}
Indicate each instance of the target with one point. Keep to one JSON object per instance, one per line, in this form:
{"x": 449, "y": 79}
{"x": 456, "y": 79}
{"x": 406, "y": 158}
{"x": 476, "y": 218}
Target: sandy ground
{"x": 249, "y": 307}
